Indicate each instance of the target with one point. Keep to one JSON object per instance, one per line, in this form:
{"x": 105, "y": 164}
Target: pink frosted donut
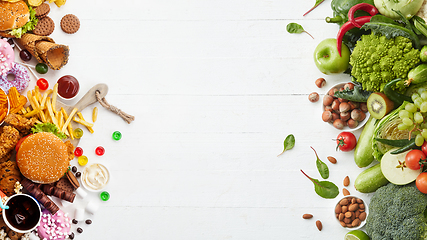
{"x": 7, "y": 56}
{"x": 22, "y": 79}
{"x": 54, "y": 226}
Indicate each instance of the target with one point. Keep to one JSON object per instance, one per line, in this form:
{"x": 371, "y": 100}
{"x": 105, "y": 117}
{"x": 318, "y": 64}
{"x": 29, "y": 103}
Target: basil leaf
{"x": 321, "y": 167}
{"x": 324, "y": 189}
{"x": 288, "y": 144}
{"x": 296, "y": 28}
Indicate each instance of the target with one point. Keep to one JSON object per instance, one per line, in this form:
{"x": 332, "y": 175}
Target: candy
{"x": 43, "y": 84}
{"x": 41, "y": 68}
{"x": 78, "y": 133}
{"x": 81, "y": 193}
{"x": 79, "y": 214}
{"x": 92, "y": 207}
{"x": 117, "y": 135}
{"x": 78, "y": 152}
{"x": 82, "y": 160}
{"x": 25, "y": 55}
{"x": 104, "y": 196}
{"x": 99, "y": 151}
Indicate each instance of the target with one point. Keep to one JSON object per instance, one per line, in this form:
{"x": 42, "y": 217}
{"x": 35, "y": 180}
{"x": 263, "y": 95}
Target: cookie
{"x": 9, "y": 168}
{"x": 14, "y": 235}
{"x": 7, "y": 184}
{"x": 65, "y": 184}
{"x": 70, "y": 23}
{"x": 44, "y": 27}
{"x": 72, "y": 179}
{"x": 42, "y": 10}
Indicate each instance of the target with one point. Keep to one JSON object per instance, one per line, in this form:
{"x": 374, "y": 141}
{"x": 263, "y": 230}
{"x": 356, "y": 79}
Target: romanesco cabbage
{"x": 397, "y": 212}
{"x": 377, "y": 60}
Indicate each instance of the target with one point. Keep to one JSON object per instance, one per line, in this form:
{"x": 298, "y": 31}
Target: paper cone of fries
{"x": 28, "y": 41}
{"x": 54, "y": 55}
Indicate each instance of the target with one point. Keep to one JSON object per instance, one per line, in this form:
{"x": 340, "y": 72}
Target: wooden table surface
{"x": 215, "y": 87}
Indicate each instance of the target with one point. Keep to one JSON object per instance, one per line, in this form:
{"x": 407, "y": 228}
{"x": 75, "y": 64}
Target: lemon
{"x": 356, "y": 235}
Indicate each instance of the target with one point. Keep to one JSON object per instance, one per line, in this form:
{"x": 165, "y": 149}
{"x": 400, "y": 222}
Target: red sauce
{"x": 68, "y": 86}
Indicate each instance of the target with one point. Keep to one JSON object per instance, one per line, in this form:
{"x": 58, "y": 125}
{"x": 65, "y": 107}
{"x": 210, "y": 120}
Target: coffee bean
{"x": 78, "y": 174}
{"x": 79, "y": 230}
{"x": 75, "y": 221}
{"x": 71, "y": 236}
{"x": 74, "y": 169}
{"x": 88, "y": 221}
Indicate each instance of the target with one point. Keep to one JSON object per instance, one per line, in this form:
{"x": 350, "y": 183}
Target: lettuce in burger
{"x": 16, "y": 18}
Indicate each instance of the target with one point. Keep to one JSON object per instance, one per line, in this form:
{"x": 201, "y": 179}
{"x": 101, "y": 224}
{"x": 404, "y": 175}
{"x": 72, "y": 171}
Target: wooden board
{"x": 88, "y": 99}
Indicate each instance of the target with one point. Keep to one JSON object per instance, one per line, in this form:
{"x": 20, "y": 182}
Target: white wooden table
{"x": 215, "y": 87}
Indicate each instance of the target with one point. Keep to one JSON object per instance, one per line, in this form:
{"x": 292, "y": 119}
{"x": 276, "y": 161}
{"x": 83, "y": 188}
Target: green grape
{"x": 415, "y": 96}
{"x": 424, "y": 133}
{"x": 418, "y": 102}
{"x": 424, "y": 95}
{"x": 408, "y": 122}
{"x": 423, "y": 107}
{"x": 405, "y": 114}
{"x": 411, "y": 107}
{"x": 419, "y": 140}
{"x": 418, "y": 117}
{"x": 421, "y": 90}
{"x": 402, "y": 126}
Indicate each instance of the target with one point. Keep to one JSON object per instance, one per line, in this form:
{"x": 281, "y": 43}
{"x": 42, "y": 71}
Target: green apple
{"x": 327, "y": 58}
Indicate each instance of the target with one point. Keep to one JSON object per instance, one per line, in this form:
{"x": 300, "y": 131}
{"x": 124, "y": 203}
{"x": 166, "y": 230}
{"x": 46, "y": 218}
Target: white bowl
{"x": 366, "y": 210}
{"x": 346, "y": 128}
{"x": 94, "y": 172}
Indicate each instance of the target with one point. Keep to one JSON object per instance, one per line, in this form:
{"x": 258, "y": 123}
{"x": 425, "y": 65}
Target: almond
{"x": 338, "y": 209}
{"x": 307, "y": 216}
{"x": 319, "y": 225}
{"x": 345, "y": 192}
{"x": 332, "y": 159}
{"x": 362, "y": 216}
{"x": 344, "y": 202}
{"x": 356, "y": 222}
{"x": 346, "y": 181}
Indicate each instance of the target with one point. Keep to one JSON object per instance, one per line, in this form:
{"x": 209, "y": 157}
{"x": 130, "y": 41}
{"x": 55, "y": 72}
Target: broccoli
{"x": 377, "y": 60}
{"x": 397, "y": 212}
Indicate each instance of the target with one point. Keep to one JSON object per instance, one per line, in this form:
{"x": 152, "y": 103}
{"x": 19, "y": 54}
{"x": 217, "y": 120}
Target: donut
{"x": 7, "y": 56}
{"x": 21, "y": 81}
{"x": 54, "y": 226}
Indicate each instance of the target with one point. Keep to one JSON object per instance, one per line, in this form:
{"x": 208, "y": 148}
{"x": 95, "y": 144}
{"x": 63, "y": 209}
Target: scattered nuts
{"x": 327, "y": 116}
{"x": 352, "y": 212}
{"x": 319, "y": 225}
{"x": 313, "y": 97}
{"x": 320, "y": 82}
{"x": 307, "y": 216}
{"x": 346, "y": 181}
{"x": 345, "y": 192}
{"x": 332, "y": 159}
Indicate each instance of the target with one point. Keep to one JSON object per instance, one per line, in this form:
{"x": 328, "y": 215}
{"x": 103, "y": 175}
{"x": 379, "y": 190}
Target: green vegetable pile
{"x": 397, "y": 212}
{"x": 376, "y": 60}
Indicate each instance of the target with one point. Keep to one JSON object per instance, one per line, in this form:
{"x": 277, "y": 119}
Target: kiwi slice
{"x": 379, "y": 105}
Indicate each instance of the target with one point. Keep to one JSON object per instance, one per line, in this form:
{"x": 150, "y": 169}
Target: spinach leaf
{"x": 318, "y": 2}
{"x": 324, "y": 189}
{"x": 321, "y": 166}
{"x": 288, "y": 144}
{"x": 296, "y": 28}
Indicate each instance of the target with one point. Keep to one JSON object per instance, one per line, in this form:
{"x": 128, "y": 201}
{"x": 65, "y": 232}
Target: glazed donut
{"x": 22, "y": 79}
{"x": 7, "y": 56}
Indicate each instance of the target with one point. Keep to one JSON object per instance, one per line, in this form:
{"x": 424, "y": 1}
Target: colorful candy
{"x": 104, "y": 196}
{"x": 43, "y": 84}
{"x": 78, "y": 133}
{"x": 82, "y": 160}
{"x": 78, "y": 152}
{"x": 117, "y": 135}
{"x": 99, "y": 151}
{"x": 41, "y": 68}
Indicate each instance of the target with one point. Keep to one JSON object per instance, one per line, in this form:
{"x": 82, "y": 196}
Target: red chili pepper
{"x": 346, "y": 27}
{"x": 372, "y": 10}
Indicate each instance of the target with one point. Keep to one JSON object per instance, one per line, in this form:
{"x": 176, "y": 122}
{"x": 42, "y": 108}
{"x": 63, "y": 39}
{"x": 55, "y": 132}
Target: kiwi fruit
{"x": 379, "y": 105}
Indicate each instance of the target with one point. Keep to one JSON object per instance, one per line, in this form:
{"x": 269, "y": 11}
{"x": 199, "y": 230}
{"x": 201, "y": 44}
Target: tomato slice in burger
{"x": 20, "y": 142}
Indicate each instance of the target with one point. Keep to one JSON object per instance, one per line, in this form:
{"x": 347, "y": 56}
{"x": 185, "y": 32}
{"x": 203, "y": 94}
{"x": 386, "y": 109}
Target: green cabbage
{"x": 407, "y": 7}
{"x": 386, "y": 128}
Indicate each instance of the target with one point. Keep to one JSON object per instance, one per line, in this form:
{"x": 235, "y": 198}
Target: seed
{"x": 345, "y": 192}
{"x": 346, "y": 181}
{"x": 319, "y": 225}
{"x": 320, "y": 82}
{"x": 332, "y": 159}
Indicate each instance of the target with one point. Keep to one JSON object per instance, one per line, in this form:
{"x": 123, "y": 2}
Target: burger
{"x": 42, "y": 157}
{"x": 16, "y": 18}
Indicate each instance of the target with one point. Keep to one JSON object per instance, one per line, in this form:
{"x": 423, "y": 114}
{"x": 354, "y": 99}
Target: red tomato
{"x": 20, "y": 142}
{"x": 43, "y": 84}
{"x": 421, "y": 182}
{"x": 424, "y": 148}
{"x": 413, "y": 157}
{"x": 346, "y": 141}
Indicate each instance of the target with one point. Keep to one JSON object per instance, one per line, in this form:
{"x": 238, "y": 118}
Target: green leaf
{"x": 321, "y": 167}
{"x": 324, "y": 189}
{"x": 318, "y": 2}
{"x": 288, "y": 144}
{"x": 296, "y": 28}
{"x": 48, "y": 127}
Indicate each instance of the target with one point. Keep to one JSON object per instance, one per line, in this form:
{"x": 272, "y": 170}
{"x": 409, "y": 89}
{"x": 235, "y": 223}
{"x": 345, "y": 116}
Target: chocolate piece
{"x": 73, "y": 179}
{"x": 38, "y": 194}
{"x": 75, "y": 221}
{"x": 71, "y": 236}
{"x": 65, "y": 184}
{"x": 88, "y": 221}
{"x": 78, "y": 174}
{"x": 58, "y": 192}
{"x": 74, "y": 169}
{"x": 79, "y": 230}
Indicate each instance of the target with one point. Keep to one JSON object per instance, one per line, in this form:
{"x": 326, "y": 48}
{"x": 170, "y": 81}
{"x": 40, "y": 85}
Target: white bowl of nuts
{"x": 341, "y": 113}
{"x": 351, "y": 212}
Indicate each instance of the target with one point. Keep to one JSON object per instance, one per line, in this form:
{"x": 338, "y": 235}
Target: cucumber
{"x": 363, "y": 152}
{"x": 417, "y": 75}
{"x": 370, "y": 179}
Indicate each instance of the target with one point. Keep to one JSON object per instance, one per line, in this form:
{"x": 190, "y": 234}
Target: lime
{"x": 356, "y": 235}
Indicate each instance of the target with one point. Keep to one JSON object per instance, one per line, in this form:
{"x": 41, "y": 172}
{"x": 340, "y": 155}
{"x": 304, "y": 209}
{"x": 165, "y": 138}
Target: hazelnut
{"x": 313, "y": 97}
{"x": 320, "y": 82}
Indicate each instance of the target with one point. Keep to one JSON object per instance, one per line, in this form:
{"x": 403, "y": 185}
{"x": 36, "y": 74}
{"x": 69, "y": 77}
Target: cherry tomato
{"x": 424, "y": 148}
{"x": 346, "y": 141}
{"x": 421, "y": 182}
{"x": 43, "y": 84}
{"x": 413, "y": 157}
{"x": 20, "y": 142}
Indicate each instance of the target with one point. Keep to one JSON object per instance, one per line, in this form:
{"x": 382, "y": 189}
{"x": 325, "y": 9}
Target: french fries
{"x": 80, "y": 119}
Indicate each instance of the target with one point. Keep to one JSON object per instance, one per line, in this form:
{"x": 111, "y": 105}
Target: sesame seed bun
{"x": 13, "y": 15}
{"x": 42, "y": 158}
